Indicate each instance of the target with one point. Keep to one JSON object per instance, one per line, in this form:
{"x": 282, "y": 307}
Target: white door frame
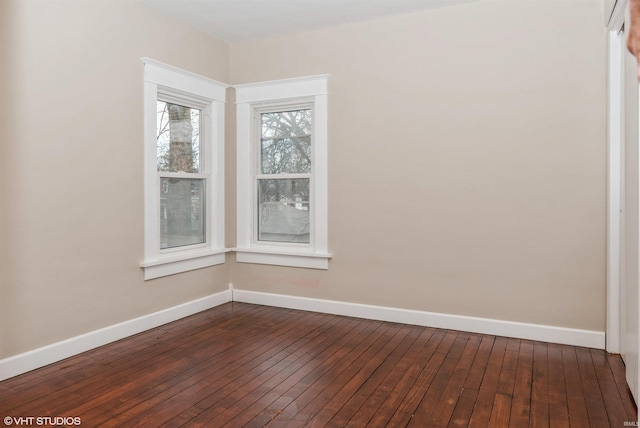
{"x": 614, "y": 208}
{"x": 618, "y": 339}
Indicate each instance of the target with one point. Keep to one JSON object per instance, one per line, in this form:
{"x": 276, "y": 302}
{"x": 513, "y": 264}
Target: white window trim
{"x": 161, "y": 78}
{"x": 249, "y": 97}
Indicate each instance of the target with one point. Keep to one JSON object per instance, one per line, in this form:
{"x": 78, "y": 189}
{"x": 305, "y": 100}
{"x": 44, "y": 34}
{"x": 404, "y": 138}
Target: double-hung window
{"x": 282, "y": 172}
{"x": 184, "y": 160}
{"x": 282, "y": 175}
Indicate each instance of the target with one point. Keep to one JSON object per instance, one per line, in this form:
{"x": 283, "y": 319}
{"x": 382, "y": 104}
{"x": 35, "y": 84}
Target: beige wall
{"x": 467, "y": 160}
{"x": 467, "y": 163}
{"x": 72, "y": 192}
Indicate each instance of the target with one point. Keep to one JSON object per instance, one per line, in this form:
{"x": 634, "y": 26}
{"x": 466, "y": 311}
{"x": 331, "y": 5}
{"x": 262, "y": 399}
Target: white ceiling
{"x": 241, "y": 20}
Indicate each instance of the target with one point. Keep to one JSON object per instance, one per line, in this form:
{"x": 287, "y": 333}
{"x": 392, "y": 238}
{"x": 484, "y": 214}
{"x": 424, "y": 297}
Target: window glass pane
{"x": 285, "y": 143}
{"x": 182, "y": 212}
{"x": 283, "y": 210}
{"x": 178, "y": 138}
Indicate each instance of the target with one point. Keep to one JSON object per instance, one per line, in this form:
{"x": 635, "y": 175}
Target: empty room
{"x": 318, "y": 213}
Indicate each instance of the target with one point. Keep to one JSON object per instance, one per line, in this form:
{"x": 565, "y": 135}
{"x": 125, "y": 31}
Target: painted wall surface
{"x": 72, "y": 179}
{"x": 467, "y": 160}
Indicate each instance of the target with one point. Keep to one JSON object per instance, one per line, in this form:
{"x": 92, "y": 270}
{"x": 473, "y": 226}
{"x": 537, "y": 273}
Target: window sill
{"x": 170, "y": 264}
{"x": 311, "y": 260}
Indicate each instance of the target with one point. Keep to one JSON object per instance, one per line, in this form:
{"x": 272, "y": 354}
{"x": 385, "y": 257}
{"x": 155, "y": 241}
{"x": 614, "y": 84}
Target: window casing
{"x": 282, "y": 172}
{"x": 184, "y": 170}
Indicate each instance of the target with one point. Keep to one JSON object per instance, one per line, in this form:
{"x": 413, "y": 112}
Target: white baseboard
{"x": 545, "y": 333}
{"x": 40, "y": 357}
{"x": 22, "y": 363}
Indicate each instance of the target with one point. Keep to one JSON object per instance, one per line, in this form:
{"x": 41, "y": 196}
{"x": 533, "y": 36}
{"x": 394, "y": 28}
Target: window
{"x": 184, "y": 161}
{"x": 282, "y": 172}
{"x": 283, "y": 175}
{"x": 182, "y": 184}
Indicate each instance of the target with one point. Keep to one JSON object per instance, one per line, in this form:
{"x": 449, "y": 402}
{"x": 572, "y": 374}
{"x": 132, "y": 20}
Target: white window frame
{"x": 251, "y": 99}
{"x": 163, "y": 82}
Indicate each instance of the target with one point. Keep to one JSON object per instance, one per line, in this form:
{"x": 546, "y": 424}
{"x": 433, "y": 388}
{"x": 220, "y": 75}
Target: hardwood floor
{"x": 240, "y": 365}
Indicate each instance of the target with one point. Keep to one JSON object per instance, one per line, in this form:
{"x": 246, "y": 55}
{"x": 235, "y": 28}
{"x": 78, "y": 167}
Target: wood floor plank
{"x": 558, "y": 406}
{"x": 454, "y": 388}
{"x": 463, "y": 410}
{"x": 500, "y": 410}
{"x": 179, "y": 373}
{"x": 405, "y": 412}
{"x": 540, "y": 387}
{"x": 129, "y": 391}
{"x": 608, "y": 388}
{"x": 307, "y": 404}
{"x": 521, "y": 401}
{"x": 616, "y": 365}
{"x": 474, "y": 380}
{"x": 331, "y": 363}
{"x": 486, "y": 395}
{"x": 387, "y": 409}
{"x": 424, "y": 413}
{"x": 507, "y": 380}
{"x": 392, "y": 378}
{"x": 221, "y": 378}
{"x": 345, "y": 404}
{"x": 300, "y": 382}
{"x": 578, "y": 415}
{"x": 254, "y": 366}
{"x": 593, "y": 397}
{"x": 362, "y": 380}
{"x": 308, "y": 359}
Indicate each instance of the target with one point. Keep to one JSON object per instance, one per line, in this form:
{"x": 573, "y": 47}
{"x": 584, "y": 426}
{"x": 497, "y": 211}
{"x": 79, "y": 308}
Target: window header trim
{"x": 165, "y": 75}
{"x": 273, "y": 90}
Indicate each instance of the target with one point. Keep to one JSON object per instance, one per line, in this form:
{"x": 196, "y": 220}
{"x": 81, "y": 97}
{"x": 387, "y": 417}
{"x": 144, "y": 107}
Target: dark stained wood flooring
{"x": 241, "y": 365}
